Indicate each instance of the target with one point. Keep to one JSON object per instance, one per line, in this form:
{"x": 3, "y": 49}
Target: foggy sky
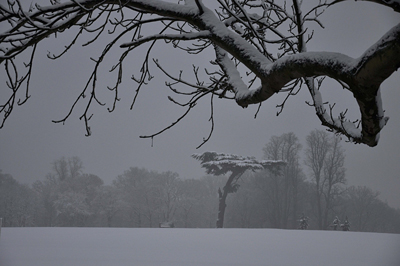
{"x": 30, "y": 142}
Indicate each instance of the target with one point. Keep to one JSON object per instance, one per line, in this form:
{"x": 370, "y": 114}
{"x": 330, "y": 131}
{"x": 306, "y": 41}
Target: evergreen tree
{"x": 335, "y": 223}
{"x": 222, "y": 163}
{"x": 303, "y": 222}
{"x": 346, "y": 225}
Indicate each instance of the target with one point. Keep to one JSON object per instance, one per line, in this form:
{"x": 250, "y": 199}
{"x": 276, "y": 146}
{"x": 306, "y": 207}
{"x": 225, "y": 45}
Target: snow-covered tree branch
{"x": 267, "y": 38}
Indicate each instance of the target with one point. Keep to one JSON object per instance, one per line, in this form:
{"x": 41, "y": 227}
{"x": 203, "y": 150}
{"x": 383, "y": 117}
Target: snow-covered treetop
{"x": 221, "y": 163}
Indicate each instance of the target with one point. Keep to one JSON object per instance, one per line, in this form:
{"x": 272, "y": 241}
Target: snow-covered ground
{"x": 188, "y": 247}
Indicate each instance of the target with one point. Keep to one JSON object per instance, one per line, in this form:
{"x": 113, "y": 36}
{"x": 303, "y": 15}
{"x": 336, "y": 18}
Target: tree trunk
{"x": 221, "y": 207}
{"x": 319, "y": 208}
{"x": 222, "y": 198}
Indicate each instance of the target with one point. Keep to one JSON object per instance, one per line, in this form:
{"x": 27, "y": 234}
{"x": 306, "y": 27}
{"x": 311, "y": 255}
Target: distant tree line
{"x": 266, "y": 199}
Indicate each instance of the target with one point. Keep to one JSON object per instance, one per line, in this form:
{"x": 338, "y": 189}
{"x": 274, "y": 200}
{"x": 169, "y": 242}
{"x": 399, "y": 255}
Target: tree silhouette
{"x": 222, "y": 163}
{"x": 265, "y": 39}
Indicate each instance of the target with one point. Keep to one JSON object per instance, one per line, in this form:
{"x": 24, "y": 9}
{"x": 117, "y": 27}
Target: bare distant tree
{"x": 107, "y": 204}
{"x": 147, "y": 197}
{"x": 67, "y": 168}
{"x": 267, "y": 39}
{"x": 222, "y": 163}
{"x": 167, "y": 194}
{"x": 282, "y": 189}
{"x": 17, "y": 202}
{"x": 334, "y": 176}
{"x": 192, "y": 202}
{"x": 362, "y": 203}
{"x": 136, "y": 188}
{"x": 325, "y": 158}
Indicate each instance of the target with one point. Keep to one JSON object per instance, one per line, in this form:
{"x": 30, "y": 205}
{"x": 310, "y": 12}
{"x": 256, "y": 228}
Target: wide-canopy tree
{"x": 217, "y": 163}
{"x": 265, "y": 39}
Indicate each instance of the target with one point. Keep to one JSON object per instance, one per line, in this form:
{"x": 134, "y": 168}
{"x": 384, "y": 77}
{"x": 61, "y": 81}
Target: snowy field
{"x": 189, "y": 247}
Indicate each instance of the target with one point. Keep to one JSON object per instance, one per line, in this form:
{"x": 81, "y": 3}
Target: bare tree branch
{"x": 266, "y": 38}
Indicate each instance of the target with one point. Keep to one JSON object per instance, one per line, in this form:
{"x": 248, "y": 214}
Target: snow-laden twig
{"x": 268, "y": 39}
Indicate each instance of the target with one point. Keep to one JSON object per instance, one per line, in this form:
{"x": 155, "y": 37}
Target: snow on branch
{"x": 234, "y": 79}
{"x": 183, "y": 37}
{"x": 347, "y": 128}
{"x": 394, "y": 4}
{"x": 270, "y": 43}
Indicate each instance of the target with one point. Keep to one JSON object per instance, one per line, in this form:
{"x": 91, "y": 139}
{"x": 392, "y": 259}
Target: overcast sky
{"x": 30, "y": 142}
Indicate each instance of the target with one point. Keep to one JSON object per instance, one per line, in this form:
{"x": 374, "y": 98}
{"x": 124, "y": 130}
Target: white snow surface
{"x": 188, "y": 247}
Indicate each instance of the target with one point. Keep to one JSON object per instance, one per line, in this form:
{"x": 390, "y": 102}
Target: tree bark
{"x": 222, "y": 195}
{"x": 221, "y": 207}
